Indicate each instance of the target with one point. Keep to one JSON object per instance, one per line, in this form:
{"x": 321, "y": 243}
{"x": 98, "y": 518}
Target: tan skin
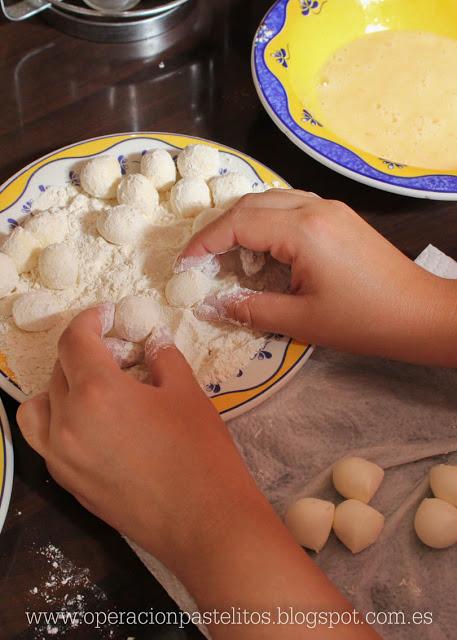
{"x": 166, "y": 472}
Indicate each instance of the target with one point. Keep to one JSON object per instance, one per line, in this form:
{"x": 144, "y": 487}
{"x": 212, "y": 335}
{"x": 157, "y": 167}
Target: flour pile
{"x": 131, "y": 262}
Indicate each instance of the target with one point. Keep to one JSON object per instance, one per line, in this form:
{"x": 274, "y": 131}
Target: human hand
{"x": 350, "y": 288}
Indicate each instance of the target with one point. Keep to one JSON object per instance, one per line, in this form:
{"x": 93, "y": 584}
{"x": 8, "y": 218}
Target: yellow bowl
{"x": 292, "y": 43}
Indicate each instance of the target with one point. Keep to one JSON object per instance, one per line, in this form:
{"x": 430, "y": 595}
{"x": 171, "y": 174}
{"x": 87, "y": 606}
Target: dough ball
{"x": 48, "y": 227}
{"x": 23, "y": 248}
{"x": 205, "y": 217}
{"x": 120, "y": 225}
{"x": 36, "y": 311}
{"x": 135, "y": 317}
{"x": 187, "y": 288}
{"x": 443, "y": 481}
{"x": 126, "y": 354}
{"x": 436, "y": 523}
{"x": 357, "y": 525}
{"x": 189, "y": 196}
{"x": 198, "y": 161}
{"x": 310, "y": 521}
{"x": 160, "y": 168}
{"x": 357, "y": 478}
{"x": 8, "y": 275}
{"x": 252, "y": 262}
{"x": 100, "y": 176}
{"x": 228, "y": 189}
{"x": 58, "y": 266}
{"x": 139, "y": 193}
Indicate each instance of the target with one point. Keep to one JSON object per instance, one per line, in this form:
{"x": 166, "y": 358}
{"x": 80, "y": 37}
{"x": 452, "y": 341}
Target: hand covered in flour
{"x": 350, "y": 288}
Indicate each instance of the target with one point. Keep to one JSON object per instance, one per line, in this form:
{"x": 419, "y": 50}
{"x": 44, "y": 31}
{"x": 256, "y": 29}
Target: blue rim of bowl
{"x": 6, "y": 482}
{"x": 337, "y": 157}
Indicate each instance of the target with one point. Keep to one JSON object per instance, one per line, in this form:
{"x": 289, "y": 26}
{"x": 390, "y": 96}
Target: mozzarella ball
{"x": 8, "y": 275}
{"x": 138, "y": 192}
{"x": 357, "y": 525}
{"x": 435, "y": 523}
{"x": 23, "y": 248}
{"x": 48, "y": 227}
{"x": 310, "y": 521}
{"x": 135, "y": 317}
{"x": 126, "y": 354}
{"x": 198, "y": 161}
{"x": 120, "y": 225}
{"x": 160, "y": 168}
{"x": 251, "y": 261}
{"x": 227, "y": 190}
{"x": 205, "y": 217}
{"x": 357, "y": 478}
{"x": 189, "y": 196}
{"x": 443, "y": 481}
{"x": 100, "y": 176}
{"x": 58, "y": 266}
{"x": 36, "y": 311}
{"x": 187, "y": 288}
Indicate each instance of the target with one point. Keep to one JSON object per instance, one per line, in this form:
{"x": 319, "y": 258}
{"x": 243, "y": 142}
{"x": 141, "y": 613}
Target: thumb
{"x": 272, "y": 312}
{"x": 164, "y": 361}
{"x": 33, "y": 418}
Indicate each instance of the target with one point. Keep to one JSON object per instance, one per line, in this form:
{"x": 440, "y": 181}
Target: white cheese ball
{"x": 205, "y": 217}
{"x": 23, "y": 248}
{"x": 435, "y": 523}
{"x": 100, "y": 176}
{"x": 189, "y": 196}
{"x": 36, "y": 311}
{"x": 187, "y": 288}
{"x": 139, "y": 193}
{"x": 252, "y": 262}
{"x": 227, "y": 190}
{"x": 48, "y": 227}
{"x": 357, "y": 525}
{"x": 8, "y": 275}
{"x": 120, "y": 225}
{"x": 58, "y": 266}
{"x": 443, "y": 481}
{"x": 357, "y": 478}
{"x": 135, "y": 317}
{"x": 160, "y": 168}
{"x": 310, "y": 521}
{"x": 198, "y": 161}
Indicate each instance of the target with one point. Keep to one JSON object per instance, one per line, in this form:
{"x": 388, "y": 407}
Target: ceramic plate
{"x": 6, "y": 464}
{"x": 292, "y": 43}
{"x": 273, "y": 365}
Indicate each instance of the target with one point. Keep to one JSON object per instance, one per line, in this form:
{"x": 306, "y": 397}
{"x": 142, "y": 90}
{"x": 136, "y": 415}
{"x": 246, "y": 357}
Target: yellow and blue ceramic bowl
{"x": 292, "y": 43}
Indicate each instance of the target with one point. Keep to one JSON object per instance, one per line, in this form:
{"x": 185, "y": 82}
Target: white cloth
{"x": 400, "y": 416}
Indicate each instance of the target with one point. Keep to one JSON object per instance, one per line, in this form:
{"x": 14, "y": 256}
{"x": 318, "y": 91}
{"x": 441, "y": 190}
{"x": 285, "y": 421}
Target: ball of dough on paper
{"x": 36, "y": 311}
{"x": 189, "y": 196}
{"x": 357, "y": 478}
{"x": 198, "y": 161}
{"x": 205, "y": 217}
{"x": 160, "y": 168}
{"x": 58, "y": 266}
{"x": 187, "y": 288}
{"x": 227, "y": 190}
{"x": 135, "y": 317}
{"x": 357, "y": 525}
{"x": 23, "y": 248}
{"x": 443, "y": 481}
{"x": 8, "y": 275}
{"x": 100, "y": 176}
{"x": 138, "y": 192}
{"x": 435, "y": 523}
{"x": 310, "y": 521}
{"x": 48, "y": 227}
{"x": 120, "y": 225}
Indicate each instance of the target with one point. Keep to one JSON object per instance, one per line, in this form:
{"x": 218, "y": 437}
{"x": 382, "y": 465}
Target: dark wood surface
{"x": 56, "y": 90}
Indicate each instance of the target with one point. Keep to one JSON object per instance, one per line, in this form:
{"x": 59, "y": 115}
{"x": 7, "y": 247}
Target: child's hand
{"x": 350, "y": 288}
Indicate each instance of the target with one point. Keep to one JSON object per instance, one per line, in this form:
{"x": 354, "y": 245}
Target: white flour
{"x": 108, "y": 273}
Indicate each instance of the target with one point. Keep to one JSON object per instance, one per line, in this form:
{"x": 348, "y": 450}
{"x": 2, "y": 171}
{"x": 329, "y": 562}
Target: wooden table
{"x": 56, "y": 90}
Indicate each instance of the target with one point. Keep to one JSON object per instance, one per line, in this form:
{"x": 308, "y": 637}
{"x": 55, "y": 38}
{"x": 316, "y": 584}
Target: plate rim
{"x": 6, "y": 486}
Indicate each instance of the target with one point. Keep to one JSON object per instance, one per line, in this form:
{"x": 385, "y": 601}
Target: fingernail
{"x": 106, "y": 311}
{"x": 126, "y": 354}
{"x": 160, "y": 338}
{"x": 311, "y": 194}
{"x": 207, "y": 264}
{"x": 215, "y": 306}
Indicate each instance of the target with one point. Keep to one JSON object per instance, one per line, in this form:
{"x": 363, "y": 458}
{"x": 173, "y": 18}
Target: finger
{"x": 164, "y": 361}
{"x": 33, "y": 418}
{"x": 270, "y": 312}
{"x": 275, "y": 199}
{"x": 58, "y": 386}
{"x": 81, "y": 349}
